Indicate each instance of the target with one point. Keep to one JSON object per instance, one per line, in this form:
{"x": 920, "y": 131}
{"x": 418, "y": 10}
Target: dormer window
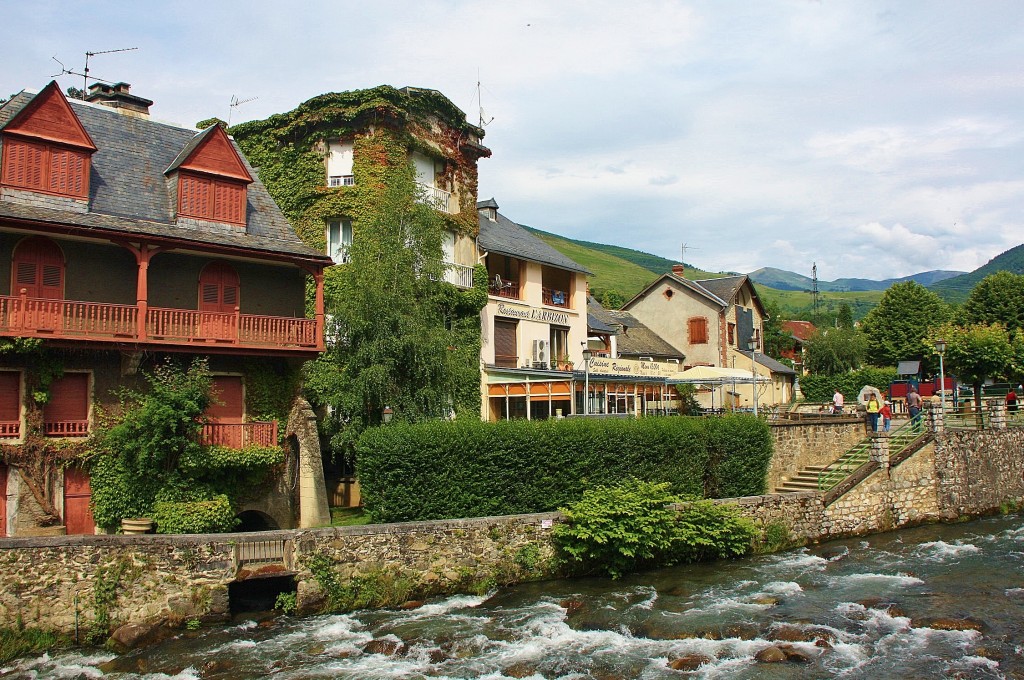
{"x": 211, "y": 198}
{"x": 46, "y": 148}
{"x": 212, "y": 179}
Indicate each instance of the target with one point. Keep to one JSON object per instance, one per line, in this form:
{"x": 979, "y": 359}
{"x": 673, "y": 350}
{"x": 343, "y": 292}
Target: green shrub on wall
{"x": 194, "y": 517}
{"x": 441, "y": 470}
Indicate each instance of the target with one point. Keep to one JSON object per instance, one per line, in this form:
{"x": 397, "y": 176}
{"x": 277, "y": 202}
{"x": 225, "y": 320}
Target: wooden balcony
{"x": 556, "y": 298}
{"x": 66, "y": 428}
{"x": 502, "y": 288}
{"x": 10, "y": 429}
{"x": 240, "y": 435}
{"x": 96, "y": 321}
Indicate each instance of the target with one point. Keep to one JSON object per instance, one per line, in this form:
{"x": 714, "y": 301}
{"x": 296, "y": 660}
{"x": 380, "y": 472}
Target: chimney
{"x": 679, "y": 271}
{"x": 118, "y": 96}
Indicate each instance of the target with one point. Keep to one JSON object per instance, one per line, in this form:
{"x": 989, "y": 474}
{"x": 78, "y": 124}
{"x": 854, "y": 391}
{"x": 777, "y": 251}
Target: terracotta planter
{"x": 136, "y": 525}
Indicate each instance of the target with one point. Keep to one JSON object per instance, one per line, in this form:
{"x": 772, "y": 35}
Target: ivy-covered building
{"x": 125, "y": 241}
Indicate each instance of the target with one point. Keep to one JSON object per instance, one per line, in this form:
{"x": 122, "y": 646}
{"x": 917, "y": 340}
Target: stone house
{"x": 123, "y": 241}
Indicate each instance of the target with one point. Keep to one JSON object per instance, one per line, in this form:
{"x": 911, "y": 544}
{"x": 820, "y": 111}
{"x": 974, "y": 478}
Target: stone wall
{"x": 800, "y": 443}
{"x": 53, "y": 582}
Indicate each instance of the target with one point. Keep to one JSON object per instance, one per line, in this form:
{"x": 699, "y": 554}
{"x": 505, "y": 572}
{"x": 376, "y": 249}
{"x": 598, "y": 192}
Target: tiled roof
{"x": 724, "y": 287}
{"x": 636, "y": 339}
{"x": 129, "y": 192}
{"x": 801, "y": 330}
{"x": 769, "y": 363}
{"x": 505, "y": 237}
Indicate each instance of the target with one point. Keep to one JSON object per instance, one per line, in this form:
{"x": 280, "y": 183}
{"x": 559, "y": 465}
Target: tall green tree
{"x": 844, "y": 317}
{"x": 998, "y": 298}
{"x": 832, "y": 351}
{"x": 975, "y": 353}
{"x": 896, "y": 328}
{"x": 396, "y": 340}
{"x": 775, "y": 339}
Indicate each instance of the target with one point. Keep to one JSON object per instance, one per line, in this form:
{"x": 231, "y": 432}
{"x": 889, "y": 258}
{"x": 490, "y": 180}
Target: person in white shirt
{"x": 837, "y": 402}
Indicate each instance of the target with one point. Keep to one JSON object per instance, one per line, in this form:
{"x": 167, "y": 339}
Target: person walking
{"x": 1011, "y": 401}
{"x": 914, "y": 407}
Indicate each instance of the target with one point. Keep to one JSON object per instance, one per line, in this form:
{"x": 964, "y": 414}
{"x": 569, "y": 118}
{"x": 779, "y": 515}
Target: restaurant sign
{"x": 533, "y": 314}
{"x": 655, "y": 369}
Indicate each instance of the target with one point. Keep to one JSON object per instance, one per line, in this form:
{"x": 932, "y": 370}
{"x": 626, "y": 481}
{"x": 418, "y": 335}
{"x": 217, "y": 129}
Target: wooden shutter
{"x": 194, "y": 198}
{"x": 505, "y": 347}
{"x": 67, "y": 411}
{"x": 698, "y": 330}
{"x": 24, "y": 164}
{"x": 218, "y": 288}
{"x": 10, "y": 403}
{"x": 226, "y": 389}
{"x": 38, "y": 267}
{"x": 67, "y": 172}
{"x": 78, "y": 518}
{"x": 229, "y": 202}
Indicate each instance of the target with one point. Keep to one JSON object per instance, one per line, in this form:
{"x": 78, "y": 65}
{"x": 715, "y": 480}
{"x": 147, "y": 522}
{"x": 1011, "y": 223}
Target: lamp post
{"x": 587, "y": 354}
{"x": 940, "y": 347}
{"x": 388, "y": 414}
{"x": 752, "y": 346}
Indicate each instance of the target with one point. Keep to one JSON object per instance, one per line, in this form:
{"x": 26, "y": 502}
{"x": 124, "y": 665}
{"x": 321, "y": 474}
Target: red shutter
{"x": 10, "y": 404}
{"x": 218, "y": 288}
{"x": 66, "y": 413}
{"x": 229, "y": 202}
{"x": 194, "y": 196}
{"x": 24, "y": 164}
{"x": 38, "y": 267}
{"x": 78, "y": 518}
{"x": 227, "y": 390}
{"x": 698, "y": 330}
{"x": 45, "y": 167}
{"x": 67, "y": 172}
{"x": 505, "y": 346}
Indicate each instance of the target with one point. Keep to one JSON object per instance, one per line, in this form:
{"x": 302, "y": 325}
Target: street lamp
{"x": 388, "y": 414}
{"x": 752, "y": 346}
{"x": 587, "y": 354}
{"x": 940, "y": 347}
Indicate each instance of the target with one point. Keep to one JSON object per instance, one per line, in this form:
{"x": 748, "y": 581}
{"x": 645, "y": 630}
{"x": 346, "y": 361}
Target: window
{"x": 218, "y": 288}
{"x": 45, "y": 167}
{"x": 339, "y": 240}
{"x": 559, "y": 345}
{"x": 732, "y": 333}
{"x": 506, "y": 352}
{"x": 66, "y": 413}
{"x": 698, "y": 327}
{"x": 339, "y": 164}
{"x": 10, "y": 404}
{"x": 209, "y": 198}
{"x": 38, "y": 269}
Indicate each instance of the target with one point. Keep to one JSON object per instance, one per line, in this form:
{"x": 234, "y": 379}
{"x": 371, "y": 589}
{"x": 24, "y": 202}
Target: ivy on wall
{"x": 401, "y": 337}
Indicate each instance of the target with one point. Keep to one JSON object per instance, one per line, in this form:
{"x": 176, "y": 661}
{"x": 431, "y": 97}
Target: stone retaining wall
{"x": 57, "y": 582}
{"x": 800, "y": 443}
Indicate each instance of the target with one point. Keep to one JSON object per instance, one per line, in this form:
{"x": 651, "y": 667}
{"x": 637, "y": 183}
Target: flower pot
{"x": 136, "y": 525}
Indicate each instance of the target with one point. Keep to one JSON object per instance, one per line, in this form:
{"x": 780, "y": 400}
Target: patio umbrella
{"x": 866, "y": 392}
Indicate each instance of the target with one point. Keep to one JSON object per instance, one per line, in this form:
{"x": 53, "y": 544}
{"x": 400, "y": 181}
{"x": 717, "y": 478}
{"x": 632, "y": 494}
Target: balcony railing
{"x": 240, "y": 435}
{"x": 10, "y": 429}
{"x": 460, "y": 275}
{"x": 66, "y": 428}
{"x": 439, "y": 199}
{"x": 557, "y": 298}
{"x": 341, "y": 181}
{"x": 41, "y": 318}
{"x": 503, "y": 288}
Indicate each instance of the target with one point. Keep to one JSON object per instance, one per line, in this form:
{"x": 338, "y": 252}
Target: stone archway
{"x": 255, "y": 520}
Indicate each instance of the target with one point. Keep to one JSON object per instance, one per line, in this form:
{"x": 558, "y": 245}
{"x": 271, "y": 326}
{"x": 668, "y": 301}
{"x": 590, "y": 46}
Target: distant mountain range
{"x": 958, "y": 288}
{"x": 786, "y": 280}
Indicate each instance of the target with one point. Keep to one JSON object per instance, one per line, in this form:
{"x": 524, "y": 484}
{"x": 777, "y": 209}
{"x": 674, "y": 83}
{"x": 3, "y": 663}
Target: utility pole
{"x": 814, "y": 287}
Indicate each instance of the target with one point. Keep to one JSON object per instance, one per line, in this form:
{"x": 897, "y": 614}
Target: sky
{"x": 875, "y": 138}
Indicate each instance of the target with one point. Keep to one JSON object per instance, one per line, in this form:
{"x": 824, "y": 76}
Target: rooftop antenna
{"x": 682, "y": 254}
{"x": 480, "y": 103}
{"x": 85, "y": 73}
{"x": 235, "y": 103}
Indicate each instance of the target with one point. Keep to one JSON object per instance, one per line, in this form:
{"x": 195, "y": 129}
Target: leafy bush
{"x": 635, "y": 524}
{"x": 821, "y": 387}
{"x": 441, "y": 470}
{"x": 195, "y": 517}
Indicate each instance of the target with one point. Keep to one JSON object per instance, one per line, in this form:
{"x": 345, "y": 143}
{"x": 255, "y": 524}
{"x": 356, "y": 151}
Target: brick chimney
{"x": 679, "y": 270}
{"x": 118, "y": 96}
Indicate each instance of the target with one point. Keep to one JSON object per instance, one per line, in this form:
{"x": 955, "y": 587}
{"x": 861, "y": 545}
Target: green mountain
{"x": 958, "y": 288}
{"x": 786, "y": 280}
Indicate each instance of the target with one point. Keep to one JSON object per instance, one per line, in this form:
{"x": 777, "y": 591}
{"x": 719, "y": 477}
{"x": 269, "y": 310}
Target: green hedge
{"x": 442, "y": 470}
{"x": 822, "y": 387}
{"x": 194, "y": 517}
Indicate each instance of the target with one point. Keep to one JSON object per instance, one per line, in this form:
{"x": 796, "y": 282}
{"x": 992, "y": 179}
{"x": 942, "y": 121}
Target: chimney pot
{"x": 118, "y": 96}
{"x": 678, "y": 270}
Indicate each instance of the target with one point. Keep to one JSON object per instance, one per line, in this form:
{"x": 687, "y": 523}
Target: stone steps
{"x": 806, "y": 479}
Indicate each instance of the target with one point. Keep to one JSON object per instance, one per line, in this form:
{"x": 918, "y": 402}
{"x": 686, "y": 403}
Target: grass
{"x": 348, "y": 517}
{"x": 17, "y": 643}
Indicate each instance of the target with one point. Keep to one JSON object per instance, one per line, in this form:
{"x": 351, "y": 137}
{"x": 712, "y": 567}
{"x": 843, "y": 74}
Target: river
{"x": 874, "y": 607}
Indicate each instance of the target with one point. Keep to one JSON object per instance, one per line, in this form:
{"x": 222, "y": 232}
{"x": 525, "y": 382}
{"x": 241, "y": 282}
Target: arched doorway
{"x": 254, "y": 520}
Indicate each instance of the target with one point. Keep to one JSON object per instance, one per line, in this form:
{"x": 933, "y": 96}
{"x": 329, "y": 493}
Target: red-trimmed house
{"x": 124, "y": 240}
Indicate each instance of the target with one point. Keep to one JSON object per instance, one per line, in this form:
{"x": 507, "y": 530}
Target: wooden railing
{"x": 10, "y": 429}
{"x": 556, "y": 298}
{"x": 240, "y": 435}
{"x": 36, "y": 317}
{"x": 66, "y": 428}
{"x": 503, "y": 288}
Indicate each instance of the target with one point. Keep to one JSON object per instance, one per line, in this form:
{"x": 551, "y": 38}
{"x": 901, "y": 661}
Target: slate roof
{"x": 598, "y": 318}
{"x": 505, "y": 237}
{"x": 636, "y": 339}
{"x": 769, "y": 363}
{"x": 128, "y": 191}
{"x": 726, "y": 288}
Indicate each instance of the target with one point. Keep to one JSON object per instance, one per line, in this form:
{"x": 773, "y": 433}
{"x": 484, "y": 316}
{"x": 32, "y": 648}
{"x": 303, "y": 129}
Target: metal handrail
{"x": 969, "y": 419}
{"x": 841, "y": 468}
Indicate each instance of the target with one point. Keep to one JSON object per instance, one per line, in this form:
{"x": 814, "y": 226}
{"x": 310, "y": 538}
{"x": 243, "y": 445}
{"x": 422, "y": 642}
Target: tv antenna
{"x": 85, "y": 72}
{"x": 480, "y": 103}
{"x": 682, "y": 253}
{"x": 235, "y": 103}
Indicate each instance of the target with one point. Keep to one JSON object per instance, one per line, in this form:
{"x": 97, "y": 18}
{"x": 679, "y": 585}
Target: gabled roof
{"x": 680, "y": 281}
{"x": 800, "y": 330}
{"x": 505, "y": 237}
{"x": 47, "y": 116}
{"x": 129, "y": 194}
{"x": 726, "y": 288}
{"x": 598, "y": 318}
{"x": 211, "y": 151}
{"x": 636, "y": 339}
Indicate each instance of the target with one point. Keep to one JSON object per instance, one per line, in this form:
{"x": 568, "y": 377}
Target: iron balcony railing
{"x": 459, "y": 275}
{"x": 43, "y": 318}
{"x": 439, "y": 199}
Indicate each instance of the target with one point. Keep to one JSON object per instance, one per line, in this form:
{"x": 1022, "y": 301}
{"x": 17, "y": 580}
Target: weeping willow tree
{"x": 399, "y": 336}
